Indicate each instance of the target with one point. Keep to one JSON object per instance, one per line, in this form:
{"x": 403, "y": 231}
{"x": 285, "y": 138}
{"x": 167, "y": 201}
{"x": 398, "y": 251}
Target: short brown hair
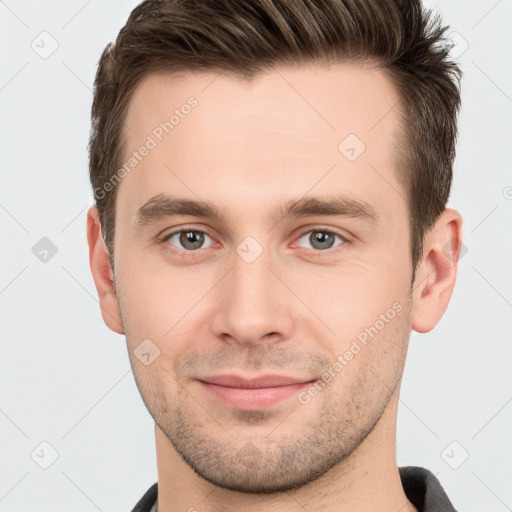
{"x": 246, "y": 37}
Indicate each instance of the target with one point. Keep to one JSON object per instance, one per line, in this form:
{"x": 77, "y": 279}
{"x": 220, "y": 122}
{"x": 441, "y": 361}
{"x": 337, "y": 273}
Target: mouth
{"x": 252, "y": 394}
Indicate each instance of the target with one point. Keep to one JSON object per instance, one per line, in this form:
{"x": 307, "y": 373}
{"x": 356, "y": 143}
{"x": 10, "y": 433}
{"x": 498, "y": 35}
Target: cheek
{"x": 171, "y": 303}
{"x": 154, "y": 294}
{"x": 372, "y": 353}
{"x": 354, "y": 296}
{"x": 165, "y": 307}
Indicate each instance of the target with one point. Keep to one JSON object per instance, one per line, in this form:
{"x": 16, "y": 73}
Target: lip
{"x": 252, "y": 394}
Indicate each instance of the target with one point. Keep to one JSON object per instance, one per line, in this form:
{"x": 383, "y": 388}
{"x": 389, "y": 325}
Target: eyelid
{"x": 323, "y": 229}
{"x": 327, "y": 229}
{"x": 303, "y": 231}
{"x": 164, "y": 238}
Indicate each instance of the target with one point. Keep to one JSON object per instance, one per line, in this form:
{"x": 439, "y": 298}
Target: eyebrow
{"x": 164, "y": 206}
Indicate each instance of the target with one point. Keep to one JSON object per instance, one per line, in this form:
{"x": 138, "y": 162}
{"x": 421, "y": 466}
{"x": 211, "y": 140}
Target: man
{"x": 276, "y": 175}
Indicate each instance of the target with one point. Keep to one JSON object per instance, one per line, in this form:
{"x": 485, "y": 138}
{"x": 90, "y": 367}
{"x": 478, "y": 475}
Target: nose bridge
{"x": 252, "y": 303}
{"x": 251, "y": 281}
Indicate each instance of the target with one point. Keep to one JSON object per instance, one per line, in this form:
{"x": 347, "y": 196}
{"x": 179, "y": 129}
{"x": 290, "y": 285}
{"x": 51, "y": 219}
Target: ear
{"x": 436, "y": 273}
{"x": 102, "y": 272}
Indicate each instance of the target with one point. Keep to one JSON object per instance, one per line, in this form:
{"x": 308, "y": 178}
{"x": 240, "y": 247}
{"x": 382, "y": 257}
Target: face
{"x": 300, "y": 280}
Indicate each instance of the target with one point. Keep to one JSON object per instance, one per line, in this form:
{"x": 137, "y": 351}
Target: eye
{"x": 186, "y": 239}
{"x": 321, "y": 239}
{"x": 189, "y": 241}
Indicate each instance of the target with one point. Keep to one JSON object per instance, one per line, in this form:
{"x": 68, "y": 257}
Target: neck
{"x": 367, "y": 480}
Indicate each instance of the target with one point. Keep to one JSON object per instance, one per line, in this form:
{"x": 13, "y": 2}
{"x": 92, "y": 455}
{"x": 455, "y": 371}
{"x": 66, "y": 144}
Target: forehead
{"x": 283, "y": 130}
{"x": 327, "y": 99}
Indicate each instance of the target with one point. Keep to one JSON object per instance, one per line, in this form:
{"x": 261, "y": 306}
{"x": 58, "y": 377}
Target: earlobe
{"x": 437, "y": 272}
{"x": 102, "y": 273}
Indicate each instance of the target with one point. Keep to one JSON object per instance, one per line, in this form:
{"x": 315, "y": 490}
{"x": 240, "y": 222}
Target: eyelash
{"x": 164, "y": 241}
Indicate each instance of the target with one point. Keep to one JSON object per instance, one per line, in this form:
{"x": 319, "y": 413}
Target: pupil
{"x": 324, "y": 239}
{"x": 188, "y": 237}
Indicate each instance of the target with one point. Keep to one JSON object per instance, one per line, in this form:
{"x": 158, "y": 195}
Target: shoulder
{"x": 145, "y": 504}
{"x": 424, "y": 490}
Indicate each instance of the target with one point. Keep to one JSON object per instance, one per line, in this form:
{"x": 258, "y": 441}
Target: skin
{"x": 248, "y": 147}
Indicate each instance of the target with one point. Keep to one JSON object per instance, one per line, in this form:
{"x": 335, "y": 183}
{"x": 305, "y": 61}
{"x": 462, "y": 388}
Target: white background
{"x": 66, "y": 379}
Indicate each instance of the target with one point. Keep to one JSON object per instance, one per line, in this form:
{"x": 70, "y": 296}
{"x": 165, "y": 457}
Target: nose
{"x": 255, "y": 307}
